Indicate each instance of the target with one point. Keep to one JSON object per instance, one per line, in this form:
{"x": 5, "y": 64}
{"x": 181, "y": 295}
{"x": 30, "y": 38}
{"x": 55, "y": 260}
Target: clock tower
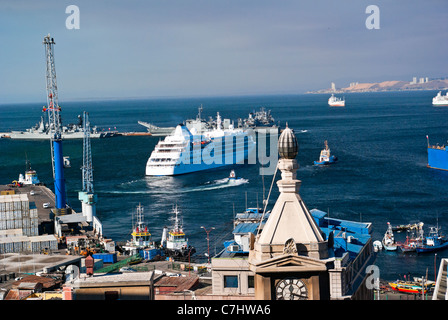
{"x": 289, "y": 257}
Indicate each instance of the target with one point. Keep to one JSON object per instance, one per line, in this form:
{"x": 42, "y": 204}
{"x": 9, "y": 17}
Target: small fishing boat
{"x": 433, "y": 242}
{"x": 409, "y": 245}
{"x": 408, "y": 286}
{"x": 325, "y": 156}
{"x": 377, "y": 246}
{"x": 413, "y": 238}
{"x": 389, "y": 240}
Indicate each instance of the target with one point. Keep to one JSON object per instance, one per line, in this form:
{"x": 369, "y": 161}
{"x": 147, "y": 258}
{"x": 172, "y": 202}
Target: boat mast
{"x": 176, "y": 219}
{"x": 140, "y": 222}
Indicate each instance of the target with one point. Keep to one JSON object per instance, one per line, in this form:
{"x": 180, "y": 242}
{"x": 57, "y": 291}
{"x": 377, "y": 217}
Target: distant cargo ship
{"x": 440, "y": 100}
{"x": 437, "y": 157}
{"x": 336, "y": 102}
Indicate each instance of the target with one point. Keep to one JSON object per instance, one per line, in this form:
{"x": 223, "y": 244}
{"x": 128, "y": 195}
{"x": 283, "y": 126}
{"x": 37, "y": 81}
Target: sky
{"x": 185, "y": 48}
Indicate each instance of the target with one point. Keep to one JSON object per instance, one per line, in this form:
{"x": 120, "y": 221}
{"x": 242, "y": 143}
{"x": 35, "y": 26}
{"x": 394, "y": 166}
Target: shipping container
{"x": 106, "y": 257}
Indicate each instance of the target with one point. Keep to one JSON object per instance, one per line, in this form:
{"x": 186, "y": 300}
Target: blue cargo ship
{"x": 437, "y": 157}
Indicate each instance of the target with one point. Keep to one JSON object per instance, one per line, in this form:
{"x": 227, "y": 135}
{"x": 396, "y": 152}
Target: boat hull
{"x": 437, "y": 158}
{"x": 184, "y": 168}
{"x": 336, "y": 104}
{"x": 406, "y": 288}
{"x": 427, "y": 249}
{"x": 332, "y": 160}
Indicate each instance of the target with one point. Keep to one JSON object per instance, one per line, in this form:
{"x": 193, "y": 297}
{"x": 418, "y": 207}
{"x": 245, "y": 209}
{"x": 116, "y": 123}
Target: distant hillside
{"x": 390, "y": 86}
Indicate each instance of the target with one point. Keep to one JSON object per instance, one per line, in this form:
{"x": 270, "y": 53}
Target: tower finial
{"x": 287, "y": 144}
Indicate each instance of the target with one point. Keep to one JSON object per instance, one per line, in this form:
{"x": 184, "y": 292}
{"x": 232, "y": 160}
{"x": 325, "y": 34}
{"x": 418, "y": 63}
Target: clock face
{"x": 291, "y": 289}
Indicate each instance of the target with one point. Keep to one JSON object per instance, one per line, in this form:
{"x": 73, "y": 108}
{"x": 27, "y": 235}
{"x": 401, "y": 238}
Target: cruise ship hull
{"x": 184, "y": 168}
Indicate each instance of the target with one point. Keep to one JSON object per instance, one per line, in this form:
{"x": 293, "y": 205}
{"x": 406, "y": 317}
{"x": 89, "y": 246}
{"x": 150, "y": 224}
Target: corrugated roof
{"x": 178, "y": 283}
{"x": 246, "y": 228}
{"x": 46, "y": 281}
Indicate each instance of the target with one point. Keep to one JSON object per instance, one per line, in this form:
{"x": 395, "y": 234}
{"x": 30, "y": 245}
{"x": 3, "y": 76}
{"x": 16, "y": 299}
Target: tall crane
{"x": 87, "y": 197}
{"x": 54, "y": 120}
{"x": 87, "y": 168}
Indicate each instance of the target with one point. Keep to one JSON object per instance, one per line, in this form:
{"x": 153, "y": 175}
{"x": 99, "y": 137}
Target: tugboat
{"x": 325, "y": 157}
{"x": 30, "y": 176}
{"x": 141, "y": 238}
{"x": 433, "y": 242}
{"x": 388, "y": 239}
{"x": 175, "y": 243}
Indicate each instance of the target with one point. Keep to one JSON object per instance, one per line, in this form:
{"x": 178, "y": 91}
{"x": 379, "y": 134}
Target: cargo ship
{"x": 336, "y": 102}
{"x": 437, "y": 156}
{"x": 439, "y": 100}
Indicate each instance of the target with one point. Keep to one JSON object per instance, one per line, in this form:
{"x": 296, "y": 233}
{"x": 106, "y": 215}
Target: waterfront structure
{"x": 120, "y": 286}
{"x": 231, "y": 275}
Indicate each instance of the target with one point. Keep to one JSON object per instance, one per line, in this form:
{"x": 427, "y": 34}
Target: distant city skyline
{"x": 144, "y": 49}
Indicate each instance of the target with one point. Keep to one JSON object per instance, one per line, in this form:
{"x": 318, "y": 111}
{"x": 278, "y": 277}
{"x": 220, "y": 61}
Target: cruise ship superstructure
{"x": 186, "y": 151}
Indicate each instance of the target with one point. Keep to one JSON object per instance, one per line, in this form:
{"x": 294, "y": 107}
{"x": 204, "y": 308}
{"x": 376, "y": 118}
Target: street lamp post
{"x": 208, "y": 241}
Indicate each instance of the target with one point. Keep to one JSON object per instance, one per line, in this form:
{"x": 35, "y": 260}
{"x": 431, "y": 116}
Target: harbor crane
{"x": 87, "y": 197}
{"x": 54, "y": 120}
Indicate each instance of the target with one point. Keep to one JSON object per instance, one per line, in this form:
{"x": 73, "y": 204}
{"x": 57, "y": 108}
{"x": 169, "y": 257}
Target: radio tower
{"x": 54, "y": 121}
{"x": 87, "y": 197}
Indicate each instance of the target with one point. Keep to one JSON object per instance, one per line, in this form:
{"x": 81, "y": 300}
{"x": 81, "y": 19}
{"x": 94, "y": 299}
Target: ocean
{"x": 381, "y": 175}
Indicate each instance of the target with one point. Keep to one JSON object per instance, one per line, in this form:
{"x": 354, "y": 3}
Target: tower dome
{"x": 288, "y": 147}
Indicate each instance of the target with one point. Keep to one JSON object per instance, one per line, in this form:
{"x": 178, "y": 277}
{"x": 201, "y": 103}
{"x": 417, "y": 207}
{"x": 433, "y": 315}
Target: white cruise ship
{"x": 336, "y": 102}
{"x": 186, "y": 151}
{"x": 440, "y": 100}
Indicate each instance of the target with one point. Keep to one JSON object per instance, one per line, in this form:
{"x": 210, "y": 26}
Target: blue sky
{"x": 175, "y": 48}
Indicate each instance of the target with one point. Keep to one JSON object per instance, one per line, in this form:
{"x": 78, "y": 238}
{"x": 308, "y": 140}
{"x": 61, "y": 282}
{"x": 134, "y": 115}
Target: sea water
{"x": 381, "y": 175}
